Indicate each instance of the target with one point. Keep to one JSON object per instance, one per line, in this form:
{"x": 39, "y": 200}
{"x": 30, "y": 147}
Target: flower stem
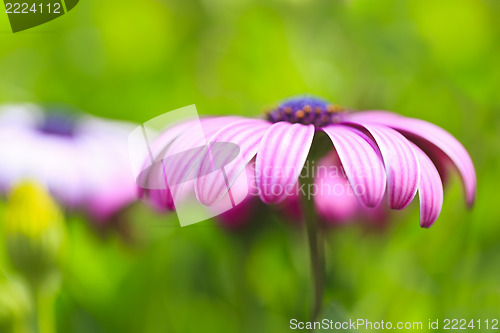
{"x": 46, "y": 316}
{"x": 317, "y": 256}
{"x": 43, "y": 312}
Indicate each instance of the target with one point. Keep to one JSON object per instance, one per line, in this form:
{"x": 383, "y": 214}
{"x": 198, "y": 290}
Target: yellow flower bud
{"x": 33, "y": 229}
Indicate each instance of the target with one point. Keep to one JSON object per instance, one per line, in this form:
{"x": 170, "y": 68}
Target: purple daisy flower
{"x": 382, "y": 155}
{"x": 368, "y": 157}
{"x": 82, "y": 160}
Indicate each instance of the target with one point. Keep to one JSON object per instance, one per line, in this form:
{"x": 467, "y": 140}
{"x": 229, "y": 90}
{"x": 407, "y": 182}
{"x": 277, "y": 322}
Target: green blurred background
{"x": 132, "y": 60}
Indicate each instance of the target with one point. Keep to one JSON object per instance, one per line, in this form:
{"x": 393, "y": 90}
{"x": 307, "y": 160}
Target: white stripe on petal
{"x": 430, "y": 190}
{"x": 431, "y": 133}
{"x": 280, "y": 159}
{"x": 401, "y": 164}
{"x": 362, "y": 163}
{"x": 243, "y": 136}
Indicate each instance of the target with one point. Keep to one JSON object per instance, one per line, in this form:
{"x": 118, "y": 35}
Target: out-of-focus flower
{"x": 337, "y": 204}
{"x": 381, "y": 153}
{"x": 82, "y": 160}
{"x": 34, "y": 231}
{"x": 242, "y": 214}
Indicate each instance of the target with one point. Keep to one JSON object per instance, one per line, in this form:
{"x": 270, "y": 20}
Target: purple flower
{"x": 380, "y": 155}
{"x": 82, "y": 160}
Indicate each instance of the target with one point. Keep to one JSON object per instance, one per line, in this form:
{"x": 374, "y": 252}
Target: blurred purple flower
{"x": 82, "y": 160}
{"x": 380, "y": 154}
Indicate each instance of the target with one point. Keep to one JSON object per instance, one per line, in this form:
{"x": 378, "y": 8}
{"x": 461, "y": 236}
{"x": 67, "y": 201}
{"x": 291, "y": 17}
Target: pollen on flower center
{"x": 306, "y": 110}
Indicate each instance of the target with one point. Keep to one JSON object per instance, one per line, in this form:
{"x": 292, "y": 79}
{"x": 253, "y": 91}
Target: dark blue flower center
{"x": 58, "y": 123}
{"x": 306, "y": 110}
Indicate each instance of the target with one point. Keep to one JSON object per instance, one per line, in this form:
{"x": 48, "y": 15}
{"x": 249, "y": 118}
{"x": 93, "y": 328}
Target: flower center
{"x": 58, "y": 123}
{"x": 307, "y": 110}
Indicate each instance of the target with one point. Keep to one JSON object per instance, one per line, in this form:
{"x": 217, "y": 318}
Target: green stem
{"x": 316, "y": 249}
{"x": 44, "y": 315}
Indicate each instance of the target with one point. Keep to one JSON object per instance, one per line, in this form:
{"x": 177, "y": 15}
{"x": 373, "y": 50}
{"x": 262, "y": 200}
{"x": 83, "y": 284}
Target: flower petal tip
{"x": 471, "y": 202}
{"x": 399, "y": 206}
{"x": 371, "y": 204}
{"x": 427, "y": 223}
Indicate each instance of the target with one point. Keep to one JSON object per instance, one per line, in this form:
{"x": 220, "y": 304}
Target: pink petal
{"x": 361, "y": 161}
{"x": 400, "y": 164}
{"x": 180, "y": 170}
{"x": 335, "y": 200}
{"x": 169, "y": 136}
{"x": 280, "y": 159}
{"x": 176, "y": 139}
{"x": 431, "y": 133}
{"x": 245, "y": 211}
{"x": 160, "y": 199}
{"x": 246, "y": 134}
{"x": 371, "y": 116}
{"x": 430, "y": 190}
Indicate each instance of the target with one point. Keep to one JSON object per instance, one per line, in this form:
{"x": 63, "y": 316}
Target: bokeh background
{"x": 132, "y": 60}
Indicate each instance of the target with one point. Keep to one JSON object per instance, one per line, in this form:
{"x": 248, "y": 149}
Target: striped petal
{"x": 401, "y": 164}
{"x": 362, "y": 163}
{"x": 423, "y": 130}
{"x": 280, "y": 159}
{"x": 175, "y": 140}
{"x": 183, "y": 154}
{"x": 430, "y": 189}
{"x": 244, "y": 135}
